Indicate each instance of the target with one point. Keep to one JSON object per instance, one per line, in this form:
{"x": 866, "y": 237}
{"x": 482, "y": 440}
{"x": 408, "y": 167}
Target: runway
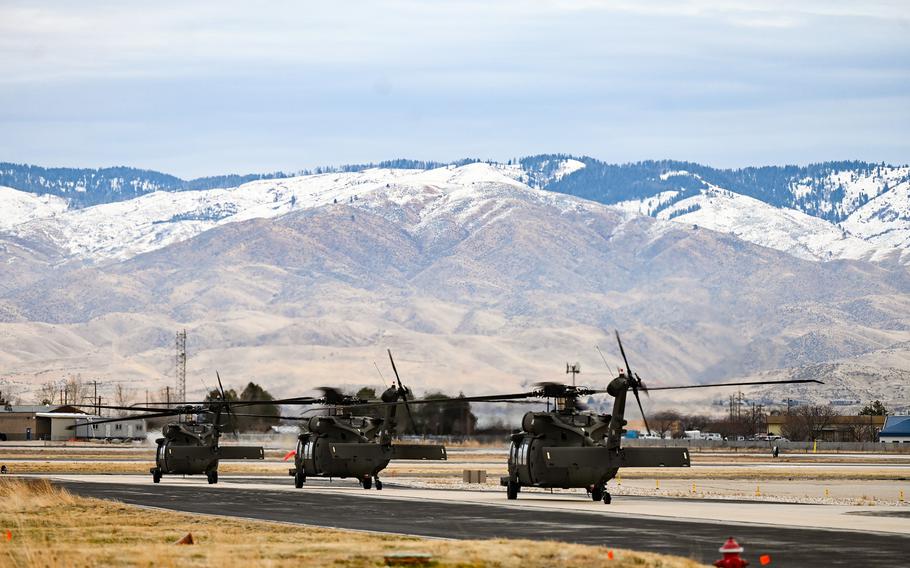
{"x": 535, "y": 517}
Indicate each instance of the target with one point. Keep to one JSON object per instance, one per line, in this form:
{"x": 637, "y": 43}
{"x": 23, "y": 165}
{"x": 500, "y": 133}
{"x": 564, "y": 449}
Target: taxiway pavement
{"x": 693, "y": 528}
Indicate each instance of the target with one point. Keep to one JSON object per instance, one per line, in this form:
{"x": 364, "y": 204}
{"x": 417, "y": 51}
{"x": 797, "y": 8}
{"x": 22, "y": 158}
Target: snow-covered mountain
{"x": 18, "y": 207}
{"x": 885, "y": 219}
{"x": 781, "y": 228}
{"x": 123, "y": 229}
{"x": 861, "y": 212}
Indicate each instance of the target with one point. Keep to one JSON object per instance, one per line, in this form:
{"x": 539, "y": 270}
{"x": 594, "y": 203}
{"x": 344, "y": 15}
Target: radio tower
{"x": 181, "y": 365}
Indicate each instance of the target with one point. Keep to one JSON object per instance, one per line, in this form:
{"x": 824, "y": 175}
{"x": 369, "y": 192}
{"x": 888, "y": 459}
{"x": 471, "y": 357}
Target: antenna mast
{"x": 181, "y": 365}
{"x": 573, "y": 370}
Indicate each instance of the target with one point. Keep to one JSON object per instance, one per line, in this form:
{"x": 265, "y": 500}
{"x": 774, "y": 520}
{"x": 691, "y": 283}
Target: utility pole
{"x": 95, "y": 397}
{"x": 167, "y": 394}
{"x": 181, "y": 365}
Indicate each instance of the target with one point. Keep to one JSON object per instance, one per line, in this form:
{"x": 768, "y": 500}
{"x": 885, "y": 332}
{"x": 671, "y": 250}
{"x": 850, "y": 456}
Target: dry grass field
{"x": 51, "y": 527}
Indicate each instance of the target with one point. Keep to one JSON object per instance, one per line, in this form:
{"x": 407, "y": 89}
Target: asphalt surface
{"x": 787, "y": 546}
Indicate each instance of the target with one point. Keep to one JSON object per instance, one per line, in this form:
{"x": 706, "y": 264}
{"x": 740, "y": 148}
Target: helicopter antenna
{"x": 381, "y": 376}
{"x": 605, "y": 359}
{"x": 205, "y": 386}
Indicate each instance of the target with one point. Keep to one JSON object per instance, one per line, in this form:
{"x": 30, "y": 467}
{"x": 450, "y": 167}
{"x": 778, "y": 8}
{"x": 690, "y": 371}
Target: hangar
{"x": 37, "y": 422}
{"x": 896, "y": 430}
{"x": 52, "y": 422}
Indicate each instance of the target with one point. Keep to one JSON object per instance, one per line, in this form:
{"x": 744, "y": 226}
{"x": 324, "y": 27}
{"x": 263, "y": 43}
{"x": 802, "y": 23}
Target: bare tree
{"x": 666, "y": 423}
{"x": 75, "y": 390}
{"x": 46, "y": 393}
{"x": 808, "y": 422}
{"x": 123, "y": 396}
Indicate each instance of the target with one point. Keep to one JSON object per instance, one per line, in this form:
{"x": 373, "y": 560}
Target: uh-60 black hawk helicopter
{"x": 569, "y": 447}
{"x": 190, "y": 446}
{"x": 342, "y": 444}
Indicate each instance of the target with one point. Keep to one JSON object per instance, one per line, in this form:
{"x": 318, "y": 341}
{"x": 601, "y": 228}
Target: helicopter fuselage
{"x": 530, "y": 464}
{"x": 351, "y": 446}
{"x": 568, "y": 448}
{"x": 325, "y": 449}
{"x": 193, "y": 449}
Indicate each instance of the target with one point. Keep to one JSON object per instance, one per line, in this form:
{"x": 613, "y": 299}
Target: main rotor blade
{"x": 125, "y": 418}
{"x": 746, "y": 383}
{"x": 514, "y": 399}
{"x": 220, "y": 386}
{"x": 279, "y": 416}
{"x": 110, "y": 407}
{"x": 403, "y": 392}
{"x": 232, "y": 420}
{"x": 623, "y": 352}
{"x": 397, "y": 378}
{"x": 279, "y": 401}
{"x": 642, "y": 410}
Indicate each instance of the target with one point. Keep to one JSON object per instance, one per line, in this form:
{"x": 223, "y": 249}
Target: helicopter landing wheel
{"x": 597, "y": 493}
{"x": 299, "y": 479}
{"x": 156, "y": 476}
{"x": 212, "y": 476}
{"x": 607, "y": 498}
{"x": 367, "y": 482}
{"x": 512, "y": 490}
{"x": 378, "y": 485}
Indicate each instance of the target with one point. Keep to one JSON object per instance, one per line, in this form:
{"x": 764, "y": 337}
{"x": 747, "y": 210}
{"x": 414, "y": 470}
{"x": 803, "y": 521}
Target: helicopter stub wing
{"x": 189, "y": 452}
{"x": 353, "y": 451}
{"x": 241, "y": 452}
{"x": 418, "y": 452}
{"x": 601, "y": 457}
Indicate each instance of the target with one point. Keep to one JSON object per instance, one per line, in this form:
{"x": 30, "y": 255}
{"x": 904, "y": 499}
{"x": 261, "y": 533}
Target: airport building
{"x": 896, "y": 430}
{"x": 838, "y": 429}
{"x": 126, "y": 430}
{"x": 37, "y": 422}
{"x": 53, "y": 422}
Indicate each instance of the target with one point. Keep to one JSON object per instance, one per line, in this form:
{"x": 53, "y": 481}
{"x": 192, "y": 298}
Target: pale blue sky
{"x": 213, "y": 87}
